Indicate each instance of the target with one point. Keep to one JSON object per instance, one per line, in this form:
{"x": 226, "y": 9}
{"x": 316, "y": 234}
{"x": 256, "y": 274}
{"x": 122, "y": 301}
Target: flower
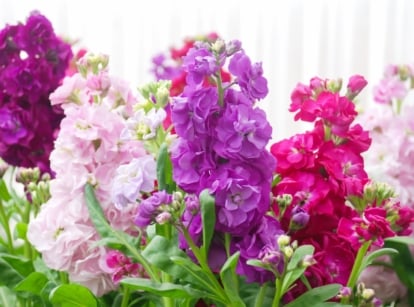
{"x": 33, "y": 62}
{"x": 183, "y": 198}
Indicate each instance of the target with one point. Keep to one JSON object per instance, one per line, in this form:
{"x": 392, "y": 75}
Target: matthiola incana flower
{"x": 173, "y": 196}
{"x": 33, "y": 62}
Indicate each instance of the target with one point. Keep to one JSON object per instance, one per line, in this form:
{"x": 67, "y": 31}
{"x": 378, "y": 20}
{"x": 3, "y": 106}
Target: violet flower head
{"x": 249, "y": 76}
{"x": 149, "y": 208}
{"x": 199, "y": 63}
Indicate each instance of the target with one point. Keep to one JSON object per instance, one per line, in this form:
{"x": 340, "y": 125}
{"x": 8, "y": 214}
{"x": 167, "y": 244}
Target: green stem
{"x": 125, "y": 297}
{"x": 204, "y": 265}
{"x": 356, "y": 269}
{"x": 227, "y": 241}
{"x": 261, "y": 295}
{"x": 5, "y": 222}
{"x": 278, "y": 292}
{"x": 168, "y": 301}
{"x": 63, "y": 276}
{"x": 26, "y": 220}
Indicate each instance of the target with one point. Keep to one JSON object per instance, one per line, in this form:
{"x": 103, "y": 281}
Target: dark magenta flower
{"x": 33, "y": 61}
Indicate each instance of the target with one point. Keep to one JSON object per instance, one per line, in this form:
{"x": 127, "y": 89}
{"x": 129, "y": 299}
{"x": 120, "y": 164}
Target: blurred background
{"x": 294, "y": 39}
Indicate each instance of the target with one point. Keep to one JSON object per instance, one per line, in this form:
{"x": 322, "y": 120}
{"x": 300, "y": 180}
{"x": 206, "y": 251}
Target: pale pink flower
{"x": 137, "y": 176}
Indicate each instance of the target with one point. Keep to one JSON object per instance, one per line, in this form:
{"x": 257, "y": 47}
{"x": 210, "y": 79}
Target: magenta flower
{"x": 33, "y": 61}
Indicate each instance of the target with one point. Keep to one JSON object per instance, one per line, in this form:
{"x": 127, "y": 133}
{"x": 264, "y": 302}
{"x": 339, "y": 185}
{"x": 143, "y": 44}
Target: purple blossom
{"x": 192, "y": 114}
{"x": 260, "y": 242}
{"x": 148, "y": 209}
{"x": 249, "y": 77}
{"x": 33, "y": 61}
{"x": 242, "y": 197}
{"x": 242, "y": 132}
{"x": 199, "y": 63}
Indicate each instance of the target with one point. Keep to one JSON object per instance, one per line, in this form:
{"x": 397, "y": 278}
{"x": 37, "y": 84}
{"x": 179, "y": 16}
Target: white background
{"x": 294, "y": 39}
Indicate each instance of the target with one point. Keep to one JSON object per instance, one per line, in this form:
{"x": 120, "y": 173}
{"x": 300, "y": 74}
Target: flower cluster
{"x": 89, "y": 145}
{"x": 389, "y": 120}
{"x": 179, "y": 198}
{"x": 33, "y": 61}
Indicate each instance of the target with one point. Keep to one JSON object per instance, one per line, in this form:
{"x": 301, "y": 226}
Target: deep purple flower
{"x": 12, "y": 127}
{"x": 299, "y": 218}
{"x": 33, "y": 61}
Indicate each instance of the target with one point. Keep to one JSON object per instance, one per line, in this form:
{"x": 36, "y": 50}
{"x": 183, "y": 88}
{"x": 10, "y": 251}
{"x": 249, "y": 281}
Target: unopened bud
{"x": 288, "y": 251}
{"x": 163, "y": 218}
{"x": 283, "y": 240}
{"x": 368, "y": 294}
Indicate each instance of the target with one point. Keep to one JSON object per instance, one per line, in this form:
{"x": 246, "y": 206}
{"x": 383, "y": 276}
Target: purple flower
{"x": 299, "y": 218}
{"x": 260, "y": 242}
{"x": 191, "y": 163}
{"x": 192, "y": 113}
{"x": 242, "y": 197}
{"x": 148, "y": 209}
{"x": 249, "y": 77}
{"x": 242, "y": 132}
{"x": 199, "y": 63}
{"x": 12, "y": 127}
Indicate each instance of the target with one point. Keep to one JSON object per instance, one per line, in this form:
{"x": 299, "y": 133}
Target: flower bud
{"x": 355, "y": 85}
{"x": 283, "y": 240}
{"x": 334, "y": 86}
{"x": 299, "y": 220}
{"x": 232, "y": 47}
{"x": 163, "y": 218}
{"x": 307, "y": 261}
{"x": 368, "y": 294}
{"x": 288, "y": 251}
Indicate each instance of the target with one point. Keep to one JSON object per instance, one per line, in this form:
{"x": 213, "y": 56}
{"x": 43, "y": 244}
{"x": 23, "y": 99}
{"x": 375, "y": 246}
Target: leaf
{"x": 370, "y": 258}
{"x": 208, "y": 217}
{"x": 110, "y": 236}
{"x": 230, "y": 281}
{"x": 291, "y": 277}
{"x": 403, "y": 262}
{"x": 33, "y": 283}
{"x": 4, "y": 192}
{"x": 164, "y": 170}
{"x": 316, "y": 296}
{"x": 298, "y": 255}
{"x": 7, "y": 297}
{"x": 254, "y": 295}
{"x": 21, "y": 229}
{"x": 13, "y": 269}
{"x": 400, "y": 239}
{"x": 72, "y": 295}
{"x": 163, "y": 289}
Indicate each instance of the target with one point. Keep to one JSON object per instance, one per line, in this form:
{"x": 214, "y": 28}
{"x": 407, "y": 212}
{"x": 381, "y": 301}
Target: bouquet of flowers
{"x": 201, "y": 209}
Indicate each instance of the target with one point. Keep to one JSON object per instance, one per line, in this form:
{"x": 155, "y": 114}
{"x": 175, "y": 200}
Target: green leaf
{"x": 400, "y": 239}
{"x": 208, "y": 216}
{"x": 72, "y": 295}
{"x": 111, "y": 236}
{"x": 291, "y": 277}
{"x": 370, "y": 258}
{"x": 230, "y": 281}
{"x": 21, "y": 229}
{"x": 33, "y": 283}
{"x": 13, "y": 269}
{"x": 316, "y": 296}
{"x": 7, "y": 297}
{"x": 403, "y": 262}
{"x": 299, "y": 254}
{"x": 254, "y": 295}
{"x": 4, "y": 192}
{"x": 163, "y": 289}
{"x": 164, "y": 170}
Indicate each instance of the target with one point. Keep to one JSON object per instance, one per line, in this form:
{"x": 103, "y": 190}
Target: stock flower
{"x": 33, "y": 61}
{"x": 148, "y": 209}
{"x": 133, "y": 178}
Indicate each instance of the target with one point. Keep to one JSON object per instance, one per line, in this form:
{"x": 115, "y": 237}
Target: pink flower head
{"x": 355, "y": 85}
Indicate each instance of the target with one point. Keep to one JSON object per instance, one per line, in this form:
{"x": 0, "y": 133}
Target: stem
{"x": 356, "y": 269}
{"x": 278, "y": 292}
{"x": 168, "y": 301}
{"x": 63, "y": 277}
{"x": 261, "y": 295}
{"x": 26, "y": 219}
{"x": 125, "y": 297}
{"x": 227, "y": 240}
{"x": 204, "y": 265}
{"x": 5, "y": 222}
